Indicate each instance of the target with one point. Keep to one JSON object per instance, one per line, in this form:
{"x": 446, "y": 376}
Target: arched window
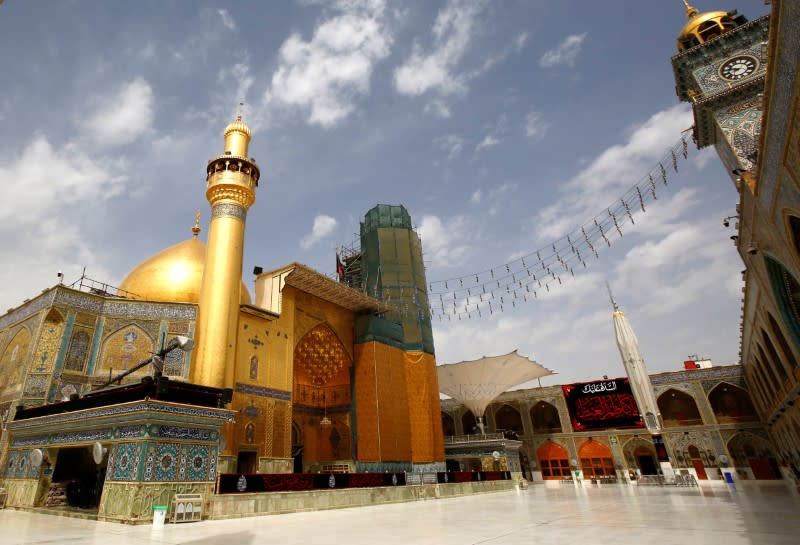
{"x": 553, "y": 461}
{"x": 678, "y": 409}
{"x": 448, "y": 426}
{"x": 545, "y": 418}
{"x": 768, "y": 370}
{"x": 731, "y": 404}
{"x": 596, "y": 459}
{"x": 786, "y": 290}
{"x": 776, "y": 331}
{"x": 776, "y": 359}
{"x": 78, "y": 350}
{"x": 508, "y": 418}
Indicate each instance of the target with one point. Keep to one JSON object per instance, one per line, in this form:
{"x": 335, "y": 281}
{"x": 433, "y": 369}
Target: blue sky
{"x": 501, "y": 126}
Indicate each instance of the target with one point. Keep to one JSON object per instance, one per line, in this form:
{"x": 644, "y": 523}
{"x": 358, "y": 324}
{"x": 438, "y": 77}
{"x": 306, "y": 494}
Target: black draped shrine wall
{"x": 601, "y": 405}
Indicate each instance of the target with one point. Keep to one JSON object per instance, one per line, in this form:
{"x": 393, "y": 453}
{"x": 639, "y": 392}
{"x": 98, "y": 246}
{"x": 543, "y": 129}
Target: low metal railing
{"x": 474, "y": 438}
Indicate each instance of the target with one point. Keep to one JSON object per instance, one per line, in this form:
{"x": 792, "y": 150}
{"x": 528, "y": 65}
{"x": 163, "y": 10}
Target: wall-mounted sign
{"x": 601, "y": 405}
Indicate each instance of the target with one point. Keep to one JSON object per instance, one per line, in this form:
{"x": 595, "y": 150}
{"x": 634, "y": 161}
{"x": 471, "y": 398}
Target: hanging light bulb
{"x": 325, "y": 422}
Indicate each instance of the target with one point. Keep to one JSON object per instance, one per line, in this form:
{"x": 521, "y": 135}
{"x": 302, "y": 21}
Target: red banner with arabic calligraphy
{"x": 601, "y": 405}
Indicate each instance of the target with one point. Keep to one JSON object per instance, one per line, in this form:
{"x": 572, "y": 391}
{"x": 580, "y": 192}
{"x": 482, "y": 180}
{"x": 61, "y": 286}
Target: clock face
{"x": 738, "y": 67}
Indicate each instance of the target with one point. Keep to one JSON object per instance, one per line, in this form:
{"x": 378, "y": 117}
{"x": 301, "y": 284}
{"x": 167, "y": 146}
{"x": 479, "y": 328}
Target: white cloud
{"x": 446, "y": 242}
{"x": 438, "y": 108}
{"x": 565, "y": 53}
{"x": 476, "y": 197}
{"x": 451, "y": 144}
{"x": 498, "y": 197}
{"x": 615, "y": 169}
{"x": 704, "y": 156}
{"x": 124, "y": 117}
{"x": 227, "y": 20}
{"x": 520, "y": 41}
{"x": 328, "y": 72}
{"x": 433, "y": 71}
{"x": 240, "y": 74}
{"x": 488, "y": 142}
{"x": 323, "y": 226}
{"x": 43, "y": 213}
{"x": 535, "y": 125}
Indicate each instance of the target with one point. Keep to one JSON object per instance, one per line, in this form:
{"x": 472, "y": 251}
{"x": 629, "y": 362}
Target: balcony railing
{"x": 473, "y": 438}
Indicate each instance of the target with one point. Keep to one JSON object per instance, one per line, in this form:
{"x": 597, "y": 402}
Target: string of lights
{"x": 490, "y": 291}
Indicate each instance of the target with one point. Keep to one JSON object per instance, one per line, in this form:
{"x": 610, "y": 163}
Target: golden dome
{"x": 173, "y": 275}
{"x": 237, "y": 136}
{"x": 702, "y": 27}
{"x": 239, "y": 126}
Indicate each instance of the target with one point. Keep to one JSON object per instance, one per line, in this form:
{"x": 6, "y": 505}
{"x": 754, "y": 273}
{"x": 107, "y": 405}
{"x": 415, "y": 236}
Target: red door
{"x": 700, "y": 469}
{"x": 761, "y": 469}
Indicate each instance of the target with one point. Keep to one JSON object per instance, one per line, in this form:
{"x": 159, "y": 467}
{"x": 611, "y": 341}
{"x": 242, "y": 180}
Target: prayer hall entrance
{"x": 77, "y": 481}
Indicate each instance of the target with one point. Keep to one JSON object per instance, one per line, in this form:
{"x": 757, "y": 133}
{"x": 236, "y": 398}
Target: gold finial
{"x": 237, "y": 135}
{"x": 691, "y": 11}
{"x": 196, "y": 228}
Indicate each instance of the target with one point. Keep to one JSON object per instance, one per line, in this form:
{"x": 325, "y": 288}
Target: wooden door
{"x": 700, "y": 469}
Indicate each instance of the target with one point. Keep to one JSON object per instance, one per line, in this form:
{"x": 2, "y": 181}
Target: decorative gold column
{"x": 232, "y": 179}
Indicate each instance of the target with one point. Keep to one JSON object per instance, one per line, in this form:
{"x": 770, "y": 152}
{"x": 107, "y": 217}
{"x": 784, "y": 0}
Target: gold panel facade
{"x": 123, "y": 349}
{"x": 427, "y": 443}
{"x": 12, "y": 362}
{"x": 320, "y": 355}
{"x": 384, "y": 432}
{"x": 49, "y": 343}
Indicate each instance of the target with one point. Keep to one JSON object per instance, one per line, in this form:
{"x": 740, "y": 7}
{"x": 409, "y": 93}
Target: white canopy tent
{"x": 477, "y": 383}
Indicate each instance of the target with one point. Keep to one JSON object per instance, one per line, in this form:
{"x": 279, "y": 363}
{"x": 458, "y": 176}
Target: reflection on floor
{"x": 751, "y": 513}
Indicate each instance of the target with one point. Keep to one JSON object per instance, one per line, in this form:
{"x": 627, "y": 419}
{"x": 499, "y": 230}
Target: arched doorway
{"x": 646, "y": 460}
{"x": 544, "y": 417}
{"x": 751, "y": 451}
{"x": 468, "y": 423}
{"x": 696, "y": 459}
{"x": 731, "y": 404}
{"x": 596, "y": 460}
{"x": 641, "y": 454}
{"x": 508, "y": 418}
{"x": 448, "y": 425}
{"x": 322, "y": 403}
{"x": 553, "y": 461}
{"x": 678, "y": 409}
{"x": 297, "y": 447}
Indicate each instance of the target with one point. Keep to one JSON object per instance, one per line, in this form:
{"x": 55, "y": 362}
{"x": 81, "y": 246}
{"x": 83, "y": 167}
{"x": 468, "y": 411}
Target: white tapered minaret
{"x": 632, "y": 359}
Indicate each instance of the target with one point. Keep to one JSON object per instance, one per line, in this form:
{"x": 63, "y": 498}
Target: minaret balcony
{"x": 234, "y": 164}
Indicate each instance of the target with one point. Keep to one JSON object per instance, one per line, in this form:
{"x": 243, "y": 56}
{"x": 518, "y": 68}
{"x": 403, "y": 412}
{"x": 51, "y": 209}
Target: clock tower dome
{"x": 720, "y": 70}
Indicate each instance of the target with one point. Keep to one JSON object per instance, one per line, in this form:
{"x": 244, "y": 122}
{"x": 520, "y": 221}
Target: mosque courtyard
{"x": 750, "y": 513}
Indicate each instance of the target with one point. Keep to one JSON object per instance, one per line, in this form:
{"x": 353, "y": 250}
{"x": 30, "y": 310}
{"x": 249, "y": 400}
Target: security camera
{"x": 726, "y": 223}
{"x": 752, "y": 250}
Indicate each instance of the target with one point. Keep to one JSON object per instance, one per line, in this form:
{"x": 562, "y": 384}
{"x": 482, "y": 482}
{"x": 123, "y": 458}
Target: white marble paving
{"x": 759, "y": 514}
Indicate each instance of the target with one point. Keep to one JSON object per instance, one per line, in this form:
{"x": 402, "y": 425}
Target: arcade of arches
{"x": 700, "y": 409}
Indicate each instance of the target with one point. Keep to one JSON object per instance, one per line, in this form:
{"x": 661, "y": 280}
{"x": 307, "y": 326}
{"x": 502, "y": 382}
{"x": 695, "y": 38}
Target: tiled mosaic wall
{"x": 157, "y": 462}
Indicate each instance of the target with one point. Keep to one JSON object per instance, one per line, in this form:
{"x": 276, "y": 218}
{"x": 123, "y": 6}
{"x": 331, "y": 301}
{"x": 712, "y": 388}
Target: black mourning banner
{"x": 601, "y": 405}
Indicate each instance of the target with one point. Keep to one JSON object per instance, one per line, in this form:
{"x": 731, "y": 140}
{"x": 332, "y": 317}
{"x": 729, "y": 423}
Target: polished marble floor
{"x": 611, "y": 514}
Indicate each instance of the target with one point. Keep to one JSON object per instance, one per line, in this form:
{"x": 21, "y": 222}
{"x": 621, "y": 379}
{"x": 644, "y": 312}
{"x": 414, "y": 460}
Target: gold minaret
{"x": 231, "y": 183}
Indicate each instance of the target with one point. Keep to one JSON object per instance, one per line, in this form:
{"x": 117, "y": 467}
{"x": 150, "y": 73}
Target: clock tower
{"x": 720, "y": 70}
